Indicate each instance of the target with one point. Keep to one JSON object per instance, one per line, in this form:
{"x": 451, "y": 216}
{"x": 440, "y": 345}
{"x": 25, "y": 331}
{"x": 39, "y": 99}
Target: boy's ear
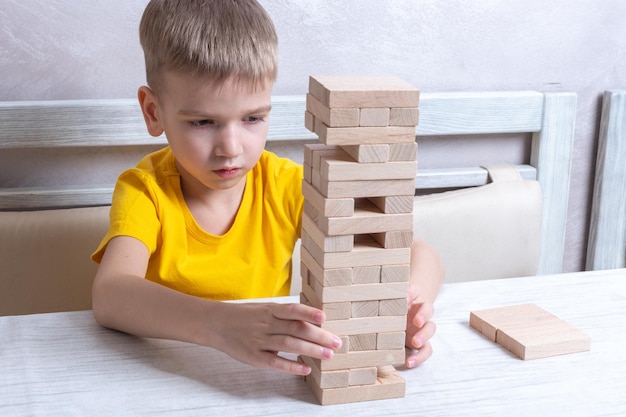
{"x": 150, "y": 109}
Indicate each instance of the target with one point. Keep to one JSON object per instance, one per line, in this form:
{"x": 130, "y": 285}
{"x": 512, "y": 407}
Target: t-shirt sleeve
{"x": 133, "y": 212}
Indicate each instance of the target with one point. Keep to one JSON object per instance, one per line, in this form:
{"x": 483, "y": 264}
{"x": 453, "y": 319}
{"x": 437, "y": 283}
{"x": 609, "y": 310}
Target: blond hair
{"x": 217, "y": 39}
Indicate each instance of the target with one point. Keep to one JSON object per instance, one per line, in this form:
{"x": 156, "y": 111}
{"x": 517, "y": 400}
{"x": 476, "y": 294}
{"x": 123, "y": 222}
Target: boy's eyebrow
{"x": 262, "y": 109}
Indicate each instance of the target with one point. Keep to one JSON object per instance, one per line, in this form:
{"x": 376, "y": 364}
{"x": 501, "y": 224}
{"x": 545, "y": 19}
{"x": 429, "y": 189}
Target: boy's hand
{"x": 255, "y": 333}
{"x": 419, "y": 329}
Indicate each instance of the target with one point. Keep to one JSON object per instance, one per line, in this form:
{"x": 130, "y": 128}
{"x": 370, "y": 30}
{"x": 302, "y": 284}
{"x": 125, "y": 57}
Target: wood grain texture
{"x": 363, "y": 91}
{"x": 607, "y": 233}
{"x": 529, "y": 332}
{"x": 551, "y": 154}
{"x": 67, "y": 364}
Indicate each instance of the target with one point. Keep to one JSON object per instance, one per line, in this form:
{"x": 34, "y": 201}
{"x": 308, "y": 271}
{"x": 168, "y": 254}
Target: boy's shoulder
{"x": 153, "y": 169}
{"x": 271, "y": 161}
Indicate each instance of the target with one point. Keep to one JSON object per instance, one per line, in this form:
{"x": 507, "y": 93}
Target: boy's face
{"x": 217, "y": 132}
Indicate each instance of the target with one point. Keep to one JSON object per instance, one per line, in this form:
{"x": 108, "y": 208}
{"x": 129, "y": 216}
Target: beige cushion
{"x": 45, "y": 260}
{"x": 492, "y": 231}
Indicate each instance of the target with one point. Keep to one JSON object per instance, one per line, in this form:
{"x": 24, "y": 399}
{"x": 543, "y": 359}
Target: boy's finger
{"x": 299, "y": 312}
{"x": 275, "y": 361}
{"x": 418, "y": 357}
{"x": 290, "y": 344}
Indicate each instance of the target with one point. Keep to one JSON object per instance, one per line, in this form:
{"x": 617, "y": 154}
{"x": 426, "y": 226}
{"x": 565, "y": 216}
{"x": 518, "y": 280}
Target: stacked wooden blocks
{"x": 357, "y": 230}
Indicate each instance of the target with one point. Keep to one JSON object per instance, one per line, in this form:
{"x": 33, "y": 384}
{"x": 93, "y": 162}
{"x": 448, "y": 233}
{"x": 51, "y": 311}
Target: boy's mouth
{"x": 227, "y": 172}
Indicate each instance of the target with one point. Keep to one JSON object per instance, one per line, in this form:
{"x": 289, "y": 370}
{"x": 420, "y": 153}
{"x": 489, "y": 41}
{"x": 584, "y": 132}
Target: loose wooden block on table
{"x": 363, "y": 91}
{"x": 529, "y": 332}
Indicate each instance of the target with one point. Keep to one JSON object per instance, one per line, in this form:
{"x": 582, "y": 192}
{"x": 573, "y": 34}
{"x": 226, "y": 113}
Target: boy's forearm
{"x": 143, "y": 308}
{"x": 427, "y": 271}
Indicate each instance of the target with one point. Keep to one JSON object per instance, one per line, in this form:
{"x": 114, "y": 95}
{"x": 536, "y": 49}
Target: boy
{"x": 213, "y": 216}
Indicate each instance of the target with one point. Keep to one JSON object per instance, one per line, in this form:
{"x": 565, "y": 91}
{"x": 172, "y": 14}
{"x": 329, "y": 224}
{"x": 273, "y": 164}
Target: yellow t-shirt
{"x": 253, "y": 259}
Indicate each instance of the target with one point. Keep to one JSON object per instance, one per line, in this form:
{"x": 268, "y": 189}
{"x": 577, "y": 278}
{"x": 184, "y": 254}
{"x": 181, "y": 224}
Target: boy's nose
{"x": 229, "y": 143}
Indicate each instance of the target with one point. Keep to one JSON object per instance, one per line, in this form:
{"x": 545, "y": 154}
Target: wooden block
{"x": 363, "y": 292}
{"x": 374, "y": 116}
{"x": 393, "y": 307}
{"x": 365, "y": 222}
{"x": 371, "y": 188}
{"x": 327, "y": 276}
{"x": 388, "y": 386}
{"x": 329, "y": 207}
{"x": 403, "y": 152}
{"x": 404, "y": 116}
{"x": 333, "y": 311}
{"x": 366, "y": 219}
{"x": 362, "y": 342}
{"x": 394, "y": 204}
{"x": 363, "y": 91}
{"x": 363, "y": 135}
{"x": 377, "y": 153}
{"x": 363, "y": 376}
{"x": 365, "y": 309}
{"x": 326, "y": 379}
{"x": 310, "y": 148}
{"x": 346, "y": 169}
{"x": 309, "y": 121}
{"x": 307, "y": 173}
{"x": 529, "y": 332}
{"x": 361, "y": 359}
{"x": 381, "y": 324}
{"x": 395, "y": 273}
{"x": 487, "y": 322}
{"x": 390, "y": 340}
{"x": 335, "y": 117}
{"x": 314, "y": 152}
{"x": 366, "y": 274}
{"x": 343, "y": 243}
{"x": 361, "y": 255}
{"x": 391, "y": 240}
{"x": 345, "y": 344}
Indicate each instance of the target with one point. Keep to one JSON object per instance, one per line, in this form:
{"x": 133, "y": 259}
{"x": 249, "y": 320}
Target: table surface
{"x": 66, "y": 364}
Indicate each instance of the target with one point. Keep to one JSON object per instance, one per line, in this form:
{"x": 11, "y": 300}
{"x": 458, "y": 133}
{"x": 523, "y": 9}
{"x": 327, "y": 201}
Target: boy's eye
{"x": 201, "y": 123}
{"x": 254, "y": 119}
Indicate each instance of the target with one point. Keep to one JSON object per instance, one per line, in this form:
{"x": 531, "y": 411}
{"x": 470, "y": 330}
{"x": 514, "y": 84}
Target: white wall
{"x": 64, "y": 49}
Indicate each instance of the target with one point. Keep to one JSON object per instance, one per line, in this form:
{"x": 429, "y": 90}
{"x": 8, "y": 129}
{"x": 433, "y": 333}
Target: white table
{"x": 65, "y": 364}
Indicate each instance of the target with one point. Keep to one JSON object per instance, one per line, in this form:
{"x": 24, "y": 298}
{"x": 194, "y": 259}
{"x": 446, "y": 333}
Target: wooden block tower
{"x": 357, "y": 230}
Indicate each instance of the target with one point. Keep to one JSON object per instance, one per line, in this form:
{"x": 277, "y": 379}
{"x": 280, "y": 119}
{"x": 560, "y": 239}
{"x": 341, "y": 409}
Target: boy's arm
{"x": 427, "y": 274}
{"x": 252, "y": 333}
